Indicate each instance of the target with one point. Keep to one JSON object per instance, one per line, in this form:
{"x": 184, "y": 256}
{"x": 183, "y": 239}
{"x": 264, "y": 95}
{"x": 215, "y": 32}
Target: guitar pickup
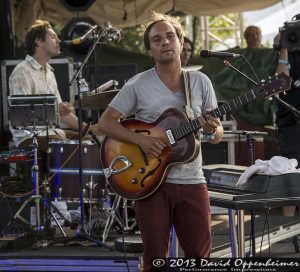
{"x": 171, "y": 137}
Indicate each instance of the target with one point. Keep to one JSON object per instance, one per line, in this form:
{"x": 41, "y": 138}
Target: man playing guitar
{"x": 183, "y": 199}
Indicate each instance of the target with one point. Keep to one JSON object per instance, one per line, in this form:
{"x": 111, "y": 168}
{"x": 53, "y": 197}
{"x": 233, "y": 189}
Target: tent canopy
{"x": 122, "y": 13}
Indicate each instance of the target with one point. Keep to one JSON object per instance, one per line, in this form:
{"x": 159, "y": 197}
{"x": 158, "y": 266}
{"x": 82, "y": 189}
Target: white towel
{"x": 277, "y": 165}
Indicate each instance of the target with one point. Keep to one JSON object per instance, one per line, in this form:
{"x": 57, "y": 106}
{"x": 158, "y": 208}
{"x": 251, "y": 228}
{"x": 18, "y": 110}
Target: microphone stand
{"x": 250, "y": 139}
{"x": 82, "y": 231}
{"x": 251, "y": 152}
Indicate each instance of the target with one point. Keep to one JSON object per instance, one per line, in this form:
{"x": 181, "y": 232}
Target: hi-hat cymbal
{"x": 98, "y": 101}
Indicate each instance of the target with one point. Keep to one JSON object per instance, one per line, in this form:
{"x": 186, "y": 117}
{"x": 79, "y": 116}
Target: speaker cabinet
{"x": 215, "y": 154}
{"x": 223, "y": 152}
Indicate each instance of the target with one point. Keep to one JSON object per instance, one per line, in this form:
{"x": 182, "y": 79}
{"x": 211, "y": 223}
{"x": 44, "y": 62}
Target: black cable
{"x": 268, "y": 228}
{"x": 269, "y": 242}
{"x": 258, "y": 80}
{"x": 123, "y": 238}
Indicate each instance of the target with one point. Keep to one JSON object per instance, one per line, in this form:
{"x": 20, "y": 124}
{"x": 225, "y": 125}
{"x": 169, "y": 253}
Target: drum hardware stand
{"x": 37, "y": 198}
{"x": 35, "y": 175}
{"x": 82, "y": 230}
{"x": 91, "y": 186}
{"x": 46, "y": 200}
{"x": 18, "y": 107}
{"x": 125, "y": 217}
{"x": 113, "y": 216}
{"x": 50, "y": 206}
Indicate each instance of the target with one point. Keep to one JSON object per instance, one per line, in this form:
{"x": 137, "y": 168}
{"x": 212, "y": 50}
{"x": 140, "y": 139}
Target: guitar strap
{"x": 188, "y": 107}
{"x": 188, "y": 97}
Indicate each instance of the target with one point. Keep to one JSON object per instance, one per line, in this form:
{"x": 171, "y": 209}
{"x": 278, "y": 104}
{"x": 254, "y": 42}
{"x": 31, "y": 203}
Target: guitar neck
{"x": 194, "y": 125}
{"x": 233, "y": 104}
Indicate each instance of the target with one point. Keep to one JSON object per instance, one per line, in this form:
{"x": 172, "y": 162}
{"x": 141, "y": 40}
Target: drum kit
{"x": 62, "y": 160}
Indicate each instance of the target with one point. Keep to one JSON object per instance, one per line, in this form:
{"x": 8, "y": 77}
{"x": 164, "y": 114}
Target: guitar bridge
{"x": 171, "y": 137}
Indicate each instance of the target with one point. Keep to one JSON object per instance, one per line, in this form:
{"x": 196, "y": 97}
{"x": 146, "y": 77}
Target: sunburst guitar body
{"x": 145, "y": 175}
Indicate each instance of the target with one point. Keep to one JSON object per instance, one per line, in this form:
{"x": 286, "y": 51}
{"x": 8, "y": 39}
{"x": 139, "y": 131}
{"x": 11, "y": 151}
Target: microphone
{"x": 222, "y": 55}
{"x": 81, "y": 40}
{"x": 113, "y": 34}
{"x": 78, "y": 41}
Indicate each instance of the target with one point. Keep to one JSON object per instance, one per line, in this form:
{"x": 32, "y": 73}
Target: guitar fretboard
{"x": 230, "y": 106}
{"x": 233, "y": 104}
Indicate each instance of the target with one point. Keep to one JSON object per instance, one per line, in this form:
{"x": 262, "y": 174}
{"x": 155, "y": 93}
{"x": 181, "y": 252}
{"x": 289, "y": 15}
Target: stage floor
{"x": 43, "y": 254}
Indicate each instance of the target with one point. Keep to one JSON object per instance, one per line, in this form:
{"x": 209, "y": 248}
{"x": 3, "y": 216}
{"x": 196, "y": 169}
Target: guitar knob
{"x": 142, "y": 170}
{"x": 134, "y": 181}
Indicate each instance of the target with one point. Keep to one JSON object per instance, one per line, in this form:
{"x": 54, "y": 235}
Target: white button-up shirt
{"x": 30, "y": 78}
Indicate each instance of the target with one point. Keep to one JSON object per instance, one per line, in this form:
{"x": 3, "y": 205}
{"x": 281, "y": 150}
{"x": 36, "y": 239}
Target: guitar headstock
{"x": 277, "y": 84}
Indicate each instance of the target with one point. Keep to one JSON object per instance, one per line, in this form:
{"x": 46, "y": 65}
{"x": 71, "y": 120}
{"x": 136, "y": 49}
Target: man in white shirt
{"x": 34, "y": 76}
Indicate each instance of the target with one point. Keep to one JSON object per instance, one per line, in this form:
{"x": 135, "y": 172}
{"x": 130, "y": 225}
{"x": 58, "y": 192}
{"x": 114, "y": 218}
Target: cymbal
{"x": 98, "y": 101}
{"x": 193, "y": 67}
{"x": 42, "y": 142}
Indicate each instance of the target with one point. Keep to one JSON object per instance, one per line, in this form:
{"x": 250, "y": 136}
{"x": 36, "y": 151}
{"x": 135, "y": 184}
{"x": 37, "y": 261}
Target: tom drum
{"x": 64, "y": 163}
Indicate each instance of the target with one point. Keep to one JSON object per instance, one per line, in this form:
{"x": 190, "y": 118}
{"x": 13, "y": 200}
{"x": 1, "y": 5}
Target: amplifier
{"x": 223, "y": 152}
{"x": 223, "y": 174}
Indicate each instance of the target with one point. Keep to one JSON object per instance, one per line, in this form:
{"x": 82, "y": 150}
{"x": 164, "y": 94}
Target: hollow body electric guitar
{"x": 134, "y": 176}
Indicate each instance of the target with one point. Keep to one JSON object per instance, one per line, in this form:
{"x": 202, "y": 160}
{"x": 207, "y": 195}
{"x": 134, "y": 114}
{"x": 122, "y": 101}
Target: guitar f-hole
{"x": 150, "y": 173}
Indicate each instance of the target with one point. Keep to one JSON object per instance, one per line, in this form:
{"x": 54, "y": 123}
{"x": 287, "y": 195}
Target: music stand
{"x": 26, "y": 112}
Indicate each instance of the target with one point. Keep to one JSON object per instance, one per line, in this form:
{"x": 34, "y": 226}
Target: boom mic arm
{"x": 222, "y": 55}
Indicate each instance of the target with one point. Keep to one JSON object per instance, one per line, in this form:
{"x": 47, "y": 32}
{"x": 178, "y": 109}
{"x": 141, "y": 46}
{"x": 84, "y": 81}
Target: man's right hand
{"x": 152, "y": 147}
{"x": 65, "y": 108}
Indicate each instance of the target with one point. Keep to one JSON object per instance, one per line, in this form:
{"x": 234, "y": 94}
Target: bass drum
{"x": 64, "y": 162}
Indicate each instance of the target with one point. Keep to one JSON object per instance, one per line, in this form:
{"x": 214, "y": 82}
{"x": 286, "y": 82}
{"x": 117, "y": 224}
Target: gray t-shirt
{"x": 147, "y": 97}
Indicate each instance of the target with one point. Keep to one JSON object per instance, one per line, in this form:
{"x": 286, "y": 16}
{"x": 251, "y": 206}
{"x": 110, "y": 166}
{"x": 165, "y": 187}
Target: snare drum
{"x": 64, "y": 163}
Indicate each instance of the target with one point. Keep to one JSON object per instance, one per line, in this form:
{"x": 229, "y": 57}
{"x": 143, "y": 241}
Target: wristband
{"x": 286, "y": 62}
{"x": 209, "y": 136}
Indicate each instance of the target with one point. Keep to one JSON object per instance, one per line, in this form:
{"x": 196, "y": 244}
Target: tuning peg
{"x": 284, "y": 92}
{"x": 276, "y": 74}
{"x": 270, "y": 98}
{"x": 262, "y": 81}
